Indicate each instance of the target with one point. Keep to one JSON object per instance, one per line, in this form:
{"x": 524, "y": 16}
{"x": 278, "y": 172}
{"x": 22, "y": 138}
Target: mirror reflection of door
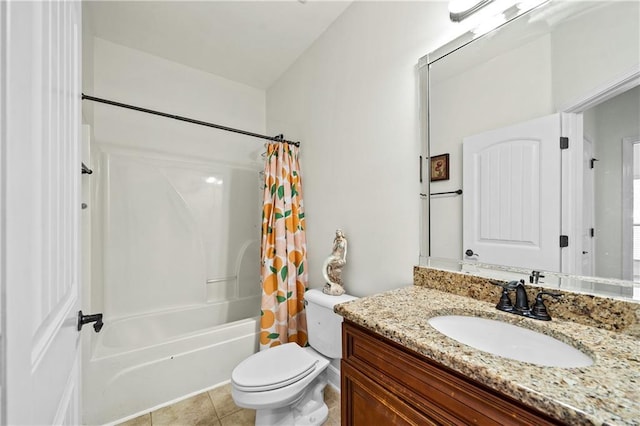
{"x": 588, "y": 226}
{"x": 613, "y": 126}
{"x": 512, "y": 187}
{"x": 506, "y": 230}
{"x": 631, "y": 208}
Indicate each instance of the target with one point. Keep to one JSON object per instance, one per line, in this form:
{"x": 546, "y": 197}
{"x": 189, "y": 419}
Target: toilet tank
{"x": 324, "y": 326}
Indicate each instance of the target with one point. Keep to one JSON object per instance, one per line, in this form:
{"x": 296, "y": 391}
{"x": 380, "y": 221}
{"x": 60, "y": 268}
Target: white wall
{"x": 3, "y": 42}
{"x": 87, "y": 65}
{"x": 352, "y": 100}
{"x": 584, "y": 60}
{"x": 134, "y": 77}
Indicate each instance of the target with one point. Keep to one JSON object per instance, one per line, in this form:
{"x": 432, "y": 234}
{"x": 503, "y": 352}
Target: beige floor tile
{"x": 197, "y": 410}
{"x": 222, "y": 401}
{"x": 332, "y": 399}
{"x": 232, "y": 415}
{"x": 331, "y": 396}
{"x": 244, "y": 417}
{"x": 334, "y": 417}
{"x": 144, "y": 420}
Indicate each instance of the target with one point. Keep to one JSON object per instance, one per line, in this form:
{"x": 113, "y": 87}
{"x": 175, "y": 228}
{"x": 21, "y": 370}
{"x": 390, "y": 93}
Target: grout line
{"x": 238, "y": 409}
{"x": 214, "y": 406}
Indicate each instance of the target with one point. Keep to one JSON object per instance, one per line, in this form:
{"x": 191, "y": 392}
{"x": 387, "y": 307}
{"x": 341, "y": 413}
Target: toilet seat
{"x": 264, "y": 370}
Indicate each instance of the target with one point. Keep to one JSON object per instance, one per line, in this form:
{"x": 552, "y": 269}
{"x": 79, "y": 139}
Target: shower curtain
{"x": 283, "y": 250}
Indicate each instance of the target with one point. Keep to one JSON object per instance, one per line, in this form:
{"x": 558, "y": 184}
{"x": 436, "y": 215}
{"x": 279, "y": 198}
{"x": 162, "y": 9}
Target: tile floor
{"x": 216, "y": 408}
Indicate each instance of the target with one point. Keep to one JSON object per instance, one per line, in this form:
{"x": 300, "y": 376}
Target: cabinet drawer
{"x": 432, "y": 389}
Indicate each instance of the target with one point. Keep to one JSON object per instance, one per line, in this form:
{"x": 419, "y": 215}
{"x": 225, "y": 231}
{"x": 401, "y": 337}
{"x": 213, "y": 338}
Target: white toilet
{"x": 285, "y": 384}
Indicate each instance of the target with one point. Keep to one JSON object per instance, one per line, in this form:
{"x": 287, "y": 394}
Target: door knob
{"x": 85, "y": 319}
{"x": 470, "y": 253}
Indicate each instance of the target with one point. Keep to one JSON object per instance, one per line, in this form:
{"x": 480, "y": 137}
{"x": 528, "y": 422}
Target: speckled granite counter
{"x": 596, "y": 311}
{"x": 607, "y": 393}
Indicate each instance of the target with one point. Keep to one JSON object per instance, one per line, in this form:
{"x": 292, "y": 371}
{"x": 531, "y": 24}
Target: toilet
{"x": 285, "y": 384}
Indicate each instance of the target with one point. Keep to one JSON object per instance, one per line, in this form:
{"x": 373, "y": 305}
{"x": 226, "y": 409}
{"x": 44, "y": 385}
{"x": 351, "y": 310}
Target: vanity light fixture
{"x": 487, "y": 14}
{"x": 461, "y": 9}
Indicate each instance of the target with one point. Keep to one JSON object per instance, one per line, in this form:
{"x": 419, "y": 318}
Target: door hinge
{"x": 593, "y": 160}
{"x": 421, "y": 168}
{"x": 564, "y": 142}
{"x": 592, "y": 232}
{"x": 564, "y": 241}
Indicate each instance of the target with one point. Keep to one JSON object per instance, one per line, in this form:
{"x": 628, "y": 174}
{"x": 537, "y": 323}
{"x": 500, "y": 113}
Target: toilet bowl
{"x": 285, "y": 384}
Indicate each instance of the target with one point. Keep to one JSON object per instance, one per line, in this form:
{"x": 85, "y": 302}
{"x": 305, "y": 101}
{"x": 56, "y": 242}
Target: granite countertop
{"x": 605, "y": 393}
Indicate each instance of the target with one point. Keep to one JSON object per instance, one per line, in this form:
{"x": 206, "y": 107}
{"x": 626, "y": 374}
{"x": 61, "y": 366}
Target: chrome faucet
{"x": 537, "y": 311}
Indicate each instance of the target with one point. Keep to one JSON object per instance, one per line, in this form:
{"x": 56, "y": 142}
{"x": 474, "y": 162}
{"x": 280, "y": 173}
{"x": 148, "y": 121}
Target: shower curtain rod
{"x": 278, "y": 138}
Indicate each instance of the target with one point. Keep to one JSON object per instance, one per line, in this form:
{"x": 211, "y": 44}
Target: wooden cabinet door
{"x": 366, "y": 403}
{"x": 385, "y": 383}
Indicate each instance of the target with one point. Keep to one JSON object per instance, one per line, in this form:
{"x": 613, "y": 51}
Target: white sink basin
{"x": 510, "y": 341}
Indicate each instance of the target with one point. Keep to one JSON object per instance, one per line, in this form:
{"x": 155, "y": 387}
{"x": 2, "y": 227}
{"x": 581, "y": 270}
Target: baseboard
{"x": 333, "y": 377}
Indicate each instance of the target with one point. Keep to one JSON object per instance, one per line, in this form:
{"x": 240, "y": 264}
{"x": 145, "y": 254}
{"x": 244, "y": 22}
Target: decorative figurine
{"x": 332, "y": 267}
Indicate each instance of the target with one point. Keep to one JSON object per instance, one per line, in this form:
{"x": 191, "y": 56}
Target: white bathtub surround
{"x": 133, "y": 379}
{"x": 179, "y": 261}
{"x": 175, "y": 223}
{"x": 175, "y": 231}
{"x": 156, "y": 329}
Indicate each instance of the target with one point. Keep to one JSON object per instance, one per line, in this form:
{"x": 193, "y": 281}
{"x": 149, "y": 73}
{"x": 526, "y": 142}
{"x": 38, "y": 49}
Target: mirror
{"x": 580, "y": 63}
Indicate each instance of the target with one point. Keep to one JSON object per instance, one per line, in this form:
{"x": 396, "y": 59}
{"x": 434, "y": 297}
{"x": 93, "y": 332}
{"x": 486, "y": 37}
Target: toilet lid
{"x": 273, "y": 368}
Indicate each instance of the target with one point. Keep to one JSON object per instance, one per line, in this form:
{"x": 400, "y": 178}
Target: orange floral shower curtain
{"x": 283, "y": 250}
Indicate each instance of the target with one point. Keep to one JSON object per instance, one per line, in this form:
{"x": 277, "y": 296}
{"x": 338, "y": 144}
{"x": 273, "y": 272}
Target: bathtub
{"x": 143, "y": 362}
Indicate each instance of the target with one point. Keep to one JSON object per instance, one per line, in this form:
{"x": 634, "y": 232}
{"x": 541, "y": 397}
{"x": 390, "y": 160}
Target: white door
{"x": 40, "y": 195}
{"x": 511, "y": 198}
{"x": 588, "y": 214}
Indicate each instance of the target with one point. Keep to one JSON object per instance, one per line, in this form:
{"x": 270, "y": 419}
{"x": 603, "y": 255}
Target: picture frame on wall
{"x": 440, "y": 167}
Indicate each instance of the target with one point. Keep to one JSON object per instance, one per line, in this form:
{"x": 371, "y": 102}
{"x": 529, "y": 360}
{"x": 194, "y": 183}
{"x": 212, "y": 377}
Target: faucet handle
{"x": 505, "y": 303}
{"x": 547, "y": 293}
{"x": 511, "y": 285}
{"x": 539, "y": 309}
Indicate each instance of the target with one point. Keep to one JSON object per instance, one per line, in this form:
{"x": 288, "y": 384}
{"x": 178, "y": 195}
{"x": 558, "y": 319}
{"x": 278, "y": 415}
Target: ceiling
{"x": 251, "y": 42}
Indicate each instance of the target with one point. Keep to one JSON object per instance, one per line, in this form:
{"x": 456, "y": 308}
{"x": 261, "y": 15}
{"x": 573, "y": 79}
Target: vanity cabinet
{"x": 384, "y": 383}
